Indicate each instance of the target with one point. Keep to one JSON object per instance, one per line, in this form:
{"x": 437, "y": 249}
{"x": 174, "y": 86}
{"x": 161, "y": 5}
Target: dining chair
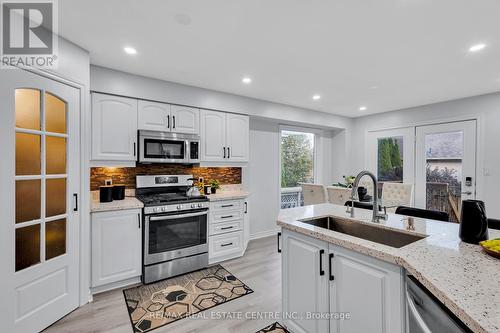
{"x": 314, "y": 194}
{"x": 423, "y": 213}
{"x": 396, "y": 194}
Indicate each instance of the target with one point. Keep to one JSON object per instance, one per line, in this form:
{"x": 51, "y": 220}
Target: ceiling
{"x": 382, "y": 54}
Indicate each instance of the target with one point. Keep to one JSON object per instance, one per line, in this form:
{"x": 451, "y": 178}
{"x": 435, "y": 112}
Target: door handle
{"x": 224, "y": 152}
{"x": 75, "y": 195}
{"x": 279, "y": 235}
{"x": 330, "y": 258}
{"x": 321, "y": 271}
{"x": 416, "y": 315}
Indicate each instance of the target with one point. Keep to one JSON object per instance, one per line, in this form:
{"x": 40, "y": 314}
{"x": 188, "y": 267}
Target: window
{"x": 390, "y": 159}
{"x": 297, "y": 149}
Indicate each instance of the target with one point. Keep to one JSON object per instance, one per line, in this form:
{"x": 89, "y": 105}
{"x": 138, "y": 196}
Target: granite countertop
{"x": 460, "y": 275}
{"x": 130, "y": 202}
{"x": 226, "y": 195}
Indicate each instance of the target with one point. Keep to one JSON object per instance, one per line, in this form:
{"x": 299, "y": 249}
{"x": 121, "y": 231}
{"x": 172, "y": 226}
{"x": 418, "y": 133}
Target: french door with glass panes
{"x": 39, "y": 178}
{"x": 445, "y": 172}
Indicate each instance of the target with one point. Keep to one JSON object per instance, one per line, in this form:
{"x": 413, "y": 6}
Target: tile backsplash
{"x": 126, "y": 176}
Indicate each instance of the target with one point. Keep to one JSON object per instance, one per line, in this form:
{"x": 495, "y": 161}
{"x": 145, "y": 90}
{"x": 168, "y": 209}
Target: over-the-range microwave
{"x": 165, "y": 147}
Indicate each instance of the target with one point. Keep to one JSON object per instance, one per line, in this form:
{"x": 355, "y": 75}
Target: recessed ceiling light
{"x": 129, "y": 50}
{"x": 362, "y": 108}
{"x": 477, "y": 47}
{"x": 316, "y": 97}
{"x": 246, "y": 80}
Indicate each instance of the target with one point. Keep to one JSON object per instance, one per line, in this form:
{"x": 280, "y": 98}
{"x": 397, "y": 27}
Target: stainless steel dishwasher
{"x": 426, "y": 314}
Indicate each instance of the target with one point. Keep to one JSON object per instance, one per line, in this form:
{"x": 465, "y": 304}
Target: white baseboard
{"x": 263, "y": 234}
{"x": 116, "y": 285}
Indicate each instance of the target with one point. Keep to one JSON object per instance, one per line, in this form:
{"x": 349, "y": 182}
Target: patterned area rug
{"x": 274, "y": 328}
{"x": 161, "y": 303}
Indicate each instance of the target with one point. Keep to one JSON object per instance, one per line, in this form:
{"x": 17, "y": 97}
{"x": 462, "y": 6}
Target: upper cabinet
{"x": 114, "y": 128}
{"x": 185, "y": 119}
{"x": 224, "y": 137}
{"x": 154, "y": 116}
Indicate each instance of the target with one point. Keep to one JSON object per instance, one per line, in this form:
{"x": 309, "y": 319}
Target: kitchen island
{"x": 460, "y": 275}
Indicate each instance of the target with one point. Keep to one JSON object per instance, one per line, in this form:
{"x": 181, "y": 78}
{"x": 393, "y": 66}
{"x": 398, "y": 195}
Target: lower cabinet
{"x": 226, "y": 226}
{"x": 116, "y": 246}
{"x": 327, "y": 288}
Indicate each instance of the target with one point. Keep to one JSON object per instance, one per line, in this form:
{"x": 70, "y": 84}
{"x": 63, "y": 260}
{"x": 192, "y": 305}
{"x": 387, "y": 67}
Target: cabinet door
{"x": 213, "y": 136}
{"x": 154, "y": 116}
{"x": 116, "y": 246}
{"x": 369, "y": 290}
{"x": 305, "y": 289}
{"x": 237, "y": 136}
{"x": 114, "y": 128}
{"x": 185, "y": 120}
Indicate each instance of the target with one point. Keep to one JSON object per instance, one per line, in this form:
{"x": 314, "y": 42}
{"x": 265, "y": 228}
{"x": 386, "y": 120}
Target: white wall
{"x": 262, "y": 174}
{"x": 119, "y": 83}
{"x": 486, "y": 107}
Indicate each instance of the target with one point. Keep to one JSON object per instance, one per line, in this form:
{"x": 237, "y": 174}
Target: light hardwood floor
{"x": 259, "y": 268}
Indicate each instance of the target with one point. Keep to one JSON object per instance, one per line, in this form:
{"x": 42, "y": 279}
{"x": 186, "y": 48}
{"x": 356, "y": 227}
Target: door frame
{"x": 85, "y": 295}
{"x": 480, "y": 142}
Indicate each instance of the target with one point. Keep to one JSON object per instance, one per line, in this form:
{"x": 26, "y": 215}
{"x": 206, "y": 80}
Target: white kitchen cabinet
{"x": 226, "y": 225}
{"x": 185, "y": 119}
{"x": 114, "y": 128}
{"x": 224, "y": 137}
{"x": 213, "y": 136}
{"x": 237, "y": 136}
{"x": 368, "y": 289}
{"x": 116, "y": 246}
{"x": 305, "y": 281}
{"x": 154, "y": 116}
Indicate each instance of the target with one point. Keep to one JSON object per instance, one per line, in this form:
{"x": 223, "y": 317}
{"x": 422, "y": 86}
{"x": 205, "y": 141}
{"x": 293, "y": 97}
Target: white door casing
{"x": 468, "y": 128}
{"x": 41, "y": 293}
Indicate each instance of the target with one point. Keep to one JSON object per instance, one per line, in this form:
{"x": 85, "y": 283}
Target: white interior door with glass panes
{"x": 390, "y": 156}
{"x": 39, "y": 131}
{"x": 445, "y": 166}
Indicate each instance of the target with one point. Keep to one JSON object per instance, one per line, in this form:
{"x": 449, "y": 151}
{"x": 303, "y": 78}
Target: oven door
{"x": 163, "y": 150}
{"x": 176, "y": 235}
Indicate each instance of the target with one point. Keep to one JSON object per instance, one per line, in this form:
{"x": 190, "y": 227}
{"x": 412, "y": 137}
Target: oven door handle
{"x": 172, "y": 217}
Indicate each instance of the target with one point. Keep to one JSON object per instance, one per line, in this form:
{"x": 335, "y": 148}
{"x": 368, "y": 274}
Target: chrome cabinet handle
{"x": 178, "y": 216}
{"x": 226, "y": 206}
{"x": 228, "y": 152}
{"x": 173, "y": 121}
{"x": 226, "y": 228}
{"x": 227, "y": 244}
{"x": 168, "y": 121}
{"x": 279, "y": 248}
{"x": 226, "y": 216}
{"x": 139, "y": 219}
{"x": 224, "y": 152}
{"x": 75, "y": 195}
{"x": 134, "y": 149}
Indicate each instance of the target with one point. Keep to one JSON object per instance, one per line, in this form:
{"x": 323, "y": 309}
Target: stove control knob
{"x": 200, "y": 205}
{"x": 179, "y": 207}
{"x": 193, "y": 206}
{"x": 163, "y": 209}
{"x": 155, "y": 210}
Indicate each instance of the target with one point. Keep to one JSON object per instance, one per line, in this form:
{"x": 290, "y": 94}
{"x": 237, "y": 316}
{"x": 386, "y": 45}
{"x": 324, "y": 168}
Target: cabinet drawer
{"x": 224, "y": 227}
{"x": 225, "y": 244}
{"x": 226, "y": 216}
{"x": 226, "y": 205}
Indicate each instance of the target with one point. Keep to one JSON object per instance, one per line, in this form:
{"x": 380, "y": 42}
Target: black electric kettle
{"x": 473, "y": 222}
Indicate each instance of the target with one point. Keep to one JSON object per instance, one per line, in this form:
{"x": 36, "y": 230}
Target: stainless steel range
{"x": 175, "y": 227}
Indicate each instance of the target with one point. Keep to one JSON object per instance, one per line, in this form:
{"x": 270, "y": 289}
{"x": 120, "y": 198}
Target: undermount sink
{"x": 361, "y": 230}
